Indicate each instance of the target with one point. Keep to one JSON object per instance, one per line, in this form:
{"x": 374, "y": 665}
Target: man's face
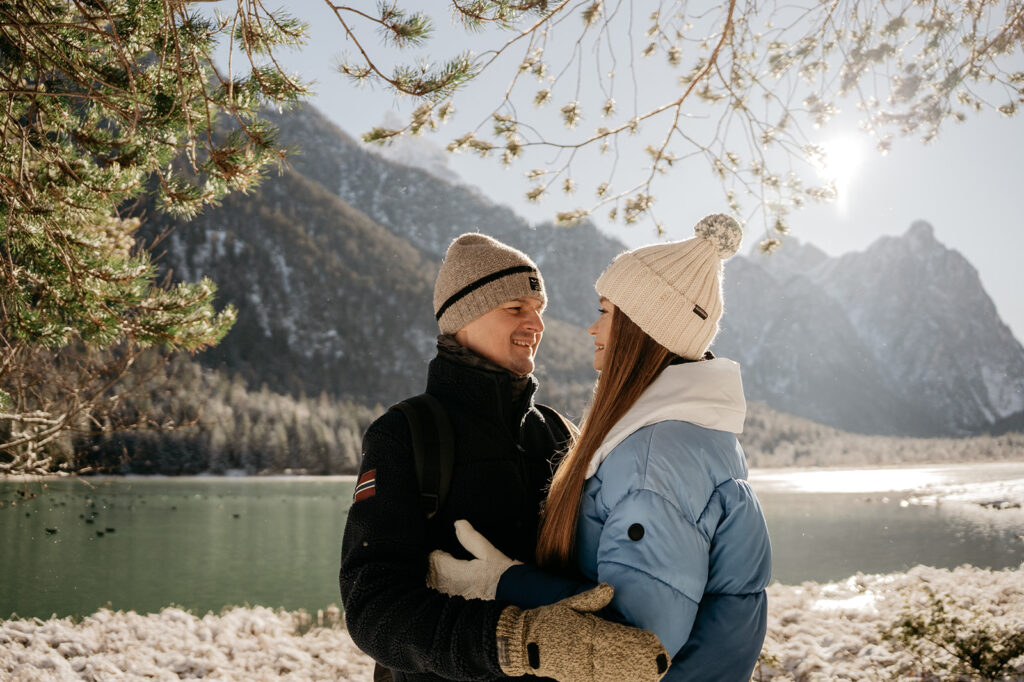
{"x": 507, "y": 336}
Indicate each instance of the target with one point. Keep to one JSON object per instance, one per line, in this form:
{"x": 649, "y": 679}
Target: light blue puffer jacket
{"x": 668, "y": 518}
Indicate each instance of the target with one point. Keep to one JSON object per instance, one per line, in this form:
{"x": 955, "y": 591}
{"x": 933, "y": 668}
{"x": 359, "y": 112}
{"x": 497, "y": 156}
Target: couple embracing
{"x": 631, "y": 549}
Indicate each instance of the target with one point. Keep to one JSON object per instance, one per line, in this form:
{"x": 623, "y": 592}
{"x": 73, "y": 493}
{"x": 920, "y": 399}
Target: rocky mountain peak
{"x": 908, "y": 313}
{"x": 920, "y": 233}
{"x": 416, "y": 152}
{"x": 919, "y": 241}
{"x": 918, "y": 244}
{"x": 794, "y": 258}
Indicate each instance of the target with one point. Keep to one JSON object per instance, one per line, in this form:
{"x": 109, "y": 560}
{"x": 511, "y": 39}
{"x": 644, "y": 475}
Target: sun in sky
{"x": 842, "y": 161}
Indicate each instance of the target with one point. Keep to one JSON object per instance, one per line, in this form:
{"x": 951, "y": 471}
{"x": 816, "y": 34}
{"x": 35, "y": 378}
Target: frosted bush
{"x": 852, "y": 630}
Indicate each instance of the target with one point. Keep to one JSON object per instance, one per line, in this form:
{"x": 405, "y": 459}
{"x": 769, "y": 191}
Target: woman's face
{"x": 601, "y": 331}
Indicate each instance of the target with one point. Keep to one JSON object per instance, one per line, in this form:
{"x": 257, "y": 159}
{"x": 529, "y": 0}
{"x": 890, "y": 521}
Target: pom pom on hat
{"x": 721, "y": 230}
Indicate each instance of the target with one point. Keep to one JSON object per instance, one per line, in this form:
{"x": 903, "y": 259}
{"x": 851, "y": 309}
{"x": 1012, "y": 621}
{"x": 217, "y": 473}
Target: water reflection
{"x": 830, "y": 524}
{"x": 852, "y": 480}
{"x": 1009, "y": 476}
{"x": 202, "y": 543}
{"x": 205, "y": 543}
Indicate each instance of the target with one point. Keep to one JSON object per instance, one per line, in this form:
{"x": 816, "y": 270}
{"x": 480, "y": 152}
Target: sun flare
{"x": 840, "y": 164}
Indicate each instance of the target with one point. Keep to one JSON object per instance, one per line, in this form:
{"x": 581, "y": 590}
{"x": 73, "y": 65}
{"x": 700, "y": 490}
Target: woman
{"x": 652, "y": 496}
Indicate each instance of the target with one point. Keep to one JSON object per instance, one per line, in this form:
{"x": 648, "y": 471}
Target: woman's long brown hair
{"x": 632, "y": 361}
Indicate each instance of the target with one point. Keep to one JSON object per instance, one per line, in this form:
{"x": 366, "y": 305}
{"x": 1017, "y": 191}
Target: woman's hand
{"x": 474, "y": 578}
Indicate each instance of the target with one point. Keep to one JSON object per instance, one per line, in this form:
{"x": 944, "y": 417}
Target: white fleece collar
{"x": 707, "y": 393}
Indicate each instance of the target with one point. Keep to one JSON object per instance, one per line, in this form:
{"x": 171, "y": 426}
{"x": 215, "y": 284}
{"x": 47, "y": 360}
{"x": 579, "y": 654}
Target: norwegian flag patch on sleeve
{"x": 365, "y": 486}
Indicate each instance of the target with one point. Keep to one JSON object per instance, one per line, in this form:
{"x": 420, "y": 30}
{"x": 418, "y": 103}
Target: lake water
{"x": 205, "y": 543}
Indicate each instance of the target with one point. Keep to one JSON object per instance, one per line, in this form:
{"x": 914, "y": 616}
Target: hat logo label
{"x": 700, "y": 312}
{"x": 534, "y": 284}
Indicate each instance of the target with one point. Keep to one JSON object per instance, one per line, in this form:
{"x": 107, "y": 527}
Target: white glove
{"x": 473, "y": 578}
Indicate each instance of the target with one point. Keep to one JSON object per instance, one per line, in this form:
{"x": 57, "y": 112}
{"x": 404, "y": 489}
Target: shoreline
{"x": 754, "y": 472}
{"x": 992, "y": 485}
{"x": 891, "y": 466}
{"x": 62, "y": 476}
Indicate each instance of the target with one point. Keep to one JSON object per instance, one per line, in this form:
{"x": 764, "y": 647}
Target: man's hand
{"x": 567, "y": 642}
{"x": 474, "y": 579}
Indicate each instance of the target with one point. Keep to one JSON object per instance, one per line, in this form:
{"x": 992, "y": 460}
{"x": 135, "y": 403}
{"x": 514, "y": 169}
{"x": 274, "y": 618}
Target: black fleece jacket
{"x": 503, "y": 461}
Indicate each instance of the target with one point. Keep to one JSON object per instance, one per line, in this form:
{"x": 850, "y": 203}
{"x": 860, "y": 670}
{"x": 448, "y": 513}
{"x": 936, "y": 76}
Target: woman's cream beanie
{"x": 478, "y": 274}
{"x": 673, "y": 291}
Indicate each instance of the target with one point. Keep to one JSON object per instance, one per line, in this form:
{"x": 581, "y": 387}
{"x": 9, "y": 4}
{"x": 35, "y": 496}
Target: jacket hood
{"x": 708, "y": 393}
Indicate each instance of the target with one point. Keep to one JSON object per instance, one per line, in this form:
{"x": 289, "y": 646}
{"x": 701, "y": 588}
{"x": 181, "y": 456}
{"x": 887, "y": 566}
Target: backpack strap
{"x": 433, "y": 448}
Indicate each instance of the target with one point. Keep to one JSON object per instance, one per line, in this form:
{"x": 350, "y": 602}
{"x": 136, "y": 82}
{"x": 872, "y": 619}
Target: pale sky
{"x": 967, "y": 184}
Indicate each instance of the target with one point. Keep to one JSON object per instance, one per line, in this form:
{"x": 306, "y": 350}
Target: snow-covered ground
{"x": 816, "y": 631}
{"x": 240, "y": 644}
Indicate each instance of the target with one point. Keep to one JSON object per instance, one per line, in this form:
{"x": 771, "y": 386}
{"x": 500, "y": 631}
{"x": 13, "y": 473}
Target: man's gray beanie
{"x": 478, "y": 274}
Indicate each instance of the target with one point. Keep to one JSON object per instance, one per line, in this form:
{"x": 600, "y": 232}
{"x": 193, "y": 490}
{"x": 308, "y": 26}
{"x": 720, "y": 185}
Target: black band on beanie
{"x": 469, "y": 288}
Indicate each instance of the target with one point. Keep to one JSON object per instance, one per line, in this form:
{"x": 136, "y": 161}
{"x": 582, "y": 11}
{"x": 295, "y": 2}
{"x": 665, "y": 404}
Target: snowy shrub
{"x": 953, "y": 635}
{"x": 854, "y": 629}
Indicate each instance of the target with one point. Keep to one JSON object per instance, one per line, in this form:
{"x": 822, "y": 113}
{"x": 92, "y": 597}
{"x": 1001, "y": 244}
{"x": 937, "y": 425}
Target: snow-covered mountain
{"x": 430, "y": 212}
{"x": 331, "y": 267}
{"x": 801, "y": 354}
{"x": 327, "y": 300}
{"x": 921, "y": 308}
{"x": 330, "y": 300}
{"x": 416, "y": 152}
{"x": 899, "y": 338}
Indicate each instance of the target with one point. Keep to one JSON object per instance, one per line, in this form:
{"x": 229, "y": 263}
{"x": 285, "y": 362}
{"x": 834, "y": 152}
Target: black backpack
{"x": 433, "y": 445}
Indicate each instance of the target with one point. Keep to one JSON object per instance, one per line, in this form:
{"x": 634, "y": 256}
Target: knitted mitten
{"x": 567, "y": 642}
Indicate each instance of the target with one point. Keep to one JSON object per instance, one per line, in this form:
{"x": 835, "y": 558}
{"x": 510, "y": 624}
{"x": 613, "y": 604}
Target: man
{"x": 488, "y": 301}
